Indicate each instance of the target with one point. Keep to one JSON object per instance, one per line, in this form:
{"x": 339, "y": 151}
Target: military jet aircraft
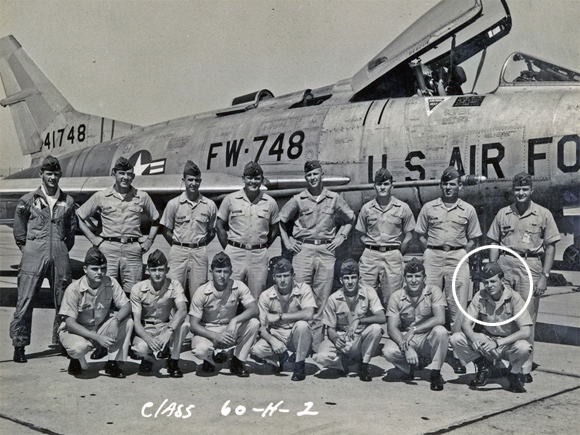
{"x": 406, "y": 109}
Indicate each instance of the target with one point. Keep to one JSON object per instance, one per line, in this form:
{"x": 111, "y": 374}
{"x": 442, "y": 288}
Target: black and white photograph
{"x": 289, "y": 216}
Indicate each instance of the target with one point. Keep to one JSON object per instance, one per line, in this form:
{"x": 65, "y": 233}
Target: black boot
{"x": 173, "y": 368}
{"x": 516, "y": 383}
{"x": 19, "y": 355}
{"x": 299, "y": 371}
{"x": 112, "y": 369}
{"x": 99, "y": 352}
{"x": 146, "y": 367}
{"x": 483, "y": 372}
{"x": 238, "y": 368}
{"x": 74, "y": 367}
{"x": 436, "y": 380}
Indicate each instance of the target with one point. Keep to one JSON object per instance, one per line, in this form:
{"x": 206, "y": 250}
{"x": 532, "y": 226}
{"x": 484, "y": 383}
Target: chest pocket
{"x": 263, "y": 213}
{"x": 535, "y": 228}
{"x": 459, "y": 222}
{"x": 306, "y": 216}
{"x": 135, "y": 208}
{"x": 108, "y": 210}
{"x": 435, "y": 220}
{"x": 236, "y": 214}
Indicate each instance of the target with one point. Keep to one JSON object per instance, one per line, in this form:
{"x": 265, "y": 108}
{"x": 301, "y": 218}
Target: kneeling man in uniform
{"x": 89, "y": 320}
{"x": 495, "y": 303}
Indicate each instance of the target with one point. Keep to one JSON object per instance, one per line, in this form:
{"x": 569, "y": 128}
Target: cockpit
{"x": 522, "y": 69}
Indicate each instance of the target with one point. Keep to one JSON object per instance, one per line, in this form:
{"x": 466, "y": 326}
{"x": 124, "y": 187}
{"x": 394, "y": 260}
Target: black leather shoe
{"x": 207, "y": 367}
{"x": 74, "y": 367}
{"x": 220, "y": 357}
{"x": 516, "y": 383}
{"x": 365, "y": 373}
{"x": 165, "y": 353}
{"x": 528, "y": 378}
{"x": 173, "y": 368}
{"x": 299, "y": 372}
{"x": 238, "y": 368}
{"x": 457, "y": 367}
{"x": 146, "y": 367}
{"x": 112, "y": 369}
{"x": 483, "y": 373}
{"x": 437, "y": 382}
{"x": 19, "y": 355}
{"x": 99, "y": 352}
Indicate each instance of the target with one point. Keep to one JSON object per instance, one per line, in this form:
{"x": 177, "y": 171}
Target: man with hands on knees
{"x": 89, "y": 320}
{"x": 352, "y": 316}
{"x": 159, "y": 308}
{"x": 495, "y": 303}
{"x": 285, "y": 309}
{"x": 415, "y": 319}
{"x": 214, "y": 322}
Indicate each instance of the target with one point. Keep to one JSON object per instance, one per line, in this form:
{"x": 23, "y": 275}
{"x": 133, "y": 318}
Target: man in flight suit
{"x": 529, "y": 230}
{"x": 315, "y": 236}
{"x": 496, "y": 303}
{"x": 214, "y": 322}
{"x": 448, "y": 228}
{"x": 159, "y": 307}
{"x": 247, "y": 225}
{"x": 44, "y": 230}
{"x": 89, "y": 320}
{"x": 189, "y": 225}
{"x": 415, "y": 319}
{"x": 121, "y": 240}
{"x": 285, "y": 309}
{"x": 385, "y": 225}
{"x": 352, "y": 316}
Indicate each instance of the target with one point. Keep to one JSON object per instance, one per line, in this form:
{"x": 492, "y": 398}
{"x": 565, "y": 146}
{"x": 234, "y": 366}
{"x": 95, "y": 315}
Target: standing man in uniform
{"x": 89, "y": 320}
{"x": 316, "y": 235}
{"x": 352, "y": 316}
{"x": 530, "y": 230}
{"x": 496, "y": 303}
{"x": 448, "y": 228}
{"x": 385, "y": 226}
{"x": 285, "y": 310}
{"x": 44, "y": 230}
{"x": 121, "y": 240}
{"x": 214, "y": 322}
{"x": 415, "y": 319}
{"x": 247, "y": 225}
{"x": 159, "y": 307}
{"x": 189, "y": 225}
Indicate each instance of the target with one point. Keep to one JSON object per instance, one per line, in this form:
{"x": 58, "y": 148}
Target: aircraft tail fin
{"x": 45, "y": 121}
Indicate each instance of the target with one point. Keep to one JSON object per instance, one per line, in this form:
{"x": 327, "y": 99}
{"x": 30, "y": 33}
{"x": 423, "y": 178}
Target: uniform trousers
{"x": 433, "y": 344}
{"x": 249, "y": 266}
{"x": 124, "y": 262}
{"x": 383, "y": 270}
{"x": 362, "y": 348}
{"x": 188, "y": 263}
{"x": 77, "y": 346}
{"x": 246, "y": 334}
{"x": 516, "y": 353}
{"x": 142, "y": 349}
{"x": 298, "y": 340}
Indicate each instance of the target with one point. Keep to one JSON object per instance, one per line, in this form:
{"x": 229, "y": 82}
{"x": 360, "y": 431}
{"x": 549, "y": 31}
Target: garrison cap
{"x": 383, "y": 175}
{"x": 311, "y": 165}
{"x": 414, "y": 266}
{"x": 122, "y": 164}
{"x": 349, "y": 267}
{"x": 191, "y": 168}
{"x": 221, "y": 259}
{"x": 450, "y": 173}
{"x": 50, "y": 163}
{"x": 94, "y": 257}
{"x": 490, "y": 270}
{"x": 282, "y": 265}
{"x": 156, "y": 259}
{"x": 523, "y": 179}
{"x": 253, "y": 169}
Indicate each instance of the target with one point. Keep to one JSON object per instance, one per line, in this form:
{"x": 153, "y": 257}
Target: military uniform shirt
{"x": 338, "y": 315}
{"x": 91, "y": 310}
{"x": 190, "y": 221}
{"x": 484, "y": 308}
{"x": 121, "y": 217}
{"x": 400, "y": 305}
{"x": 209, "y": 305}
{"x": 316, "y": 217}
{"x": 525, "y": 234}
{"x": 157, "y": 306}
{"x": 385, "y": 226}
{"x": 249, "y": 223}
{"x": 448, "y": 226}
{"x": 270, "y": 302}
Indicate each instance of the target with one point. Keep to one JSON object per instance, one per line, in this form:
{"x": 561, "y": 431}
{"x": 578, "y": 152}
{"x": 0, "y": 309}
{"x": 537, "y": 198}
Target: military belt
{"x": 123, "y": 240}
{"x": 446, "y": 248}
{"x": 315, "y": 241}
{"x": 247, "y": 247}
{"x": 521, "y": 254}
{"x": 383, "y": 248}
{"x": 189, "y": 245}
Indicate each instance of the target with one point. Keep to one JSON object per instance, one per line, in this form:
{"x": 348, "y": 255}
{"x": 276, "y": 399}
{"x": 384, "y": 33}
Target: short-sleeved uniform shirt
{"x": 337, "y": 313}
{"x": 190, "y": 221}
{"x": 216, "y": 308}
{"x": 400, "y": 306}
{"x": 452, "y": 226}
{"x": 270, "y": 302}
{"x": 316, "y": 217}
{"x": 156, "y": 305}
{"x": 385, "y": 225}
{"x": 249, "y": 223}
{"x": 525, "y": 234}
{"x": 91, "y": 307}
{"x": 484, "y": 308}
{"x": 121, "y": 217}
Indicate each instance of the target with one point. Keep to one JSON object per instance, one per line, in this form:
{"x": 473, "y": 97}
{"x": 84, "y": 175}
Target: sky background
{"x": 148, "y": 61}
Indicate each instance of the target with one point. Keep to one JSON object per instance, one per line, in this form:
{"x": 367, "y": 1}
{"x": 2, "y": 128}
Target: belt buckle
{"x": 446, "y": 248}
{"x": 382, "y": 249}
{"x": 124, "y": 240}
{"x": 317, "y": 242}
{"x": 248, "y": 247}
